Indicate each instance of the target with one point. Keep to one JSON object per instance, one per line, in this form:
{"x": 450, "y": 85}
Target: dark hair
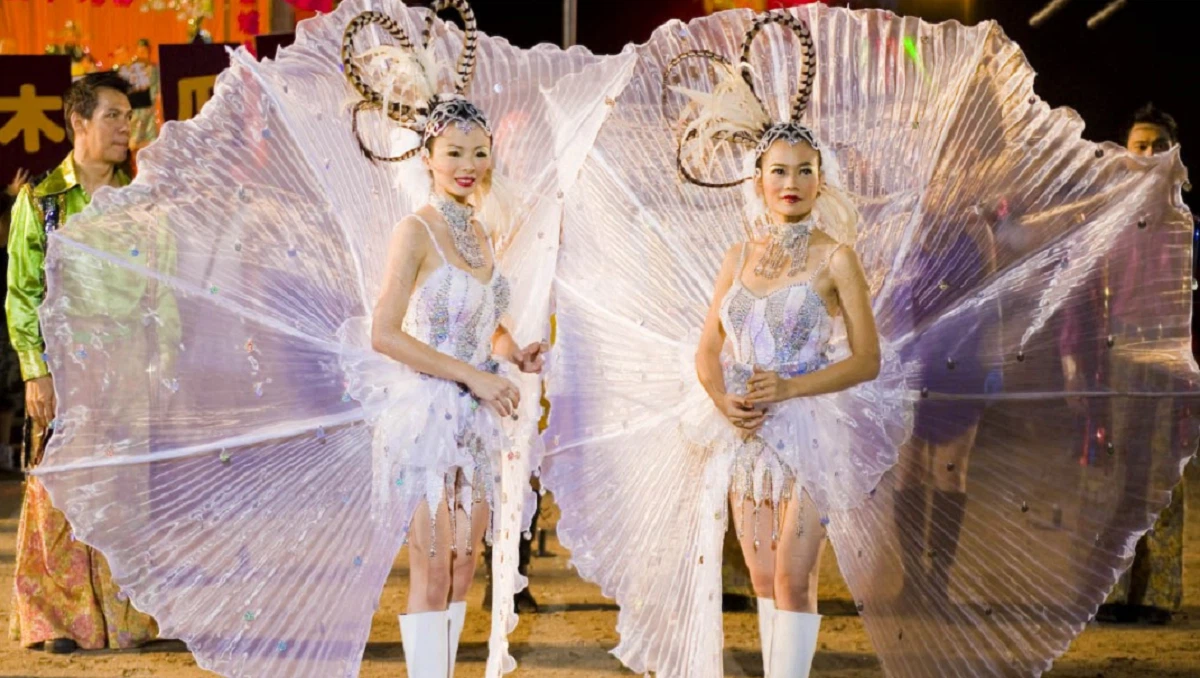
{"x": 1152, "y": 115}
{"x": 83, "y": 95}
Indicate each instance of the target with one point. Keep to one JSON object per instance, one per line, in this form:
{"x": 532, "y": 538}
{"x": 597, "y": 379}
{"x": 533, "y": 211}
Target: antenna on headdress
{"x": 413, "y": 68}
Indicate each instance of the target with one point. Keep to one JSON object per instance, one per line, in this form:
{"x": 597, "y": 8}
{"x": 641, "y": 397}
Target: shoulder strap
{"x": 487, "y": 237}
{"x": 741, "y": 261}
{"x": 825, "y": 264}
{"x": 432, "y": 237}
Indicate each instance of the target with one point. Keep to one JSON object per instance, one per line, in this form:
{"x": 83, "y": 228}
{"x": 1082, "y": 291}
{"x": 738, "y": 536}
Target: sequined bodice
{"x": 455, "y": 313}
{"x": 787, "y": 330}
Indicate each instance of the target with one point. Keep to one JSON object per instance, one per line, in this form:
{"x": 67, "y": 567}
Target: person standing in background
{"x": 64, "y": 595}
{"x": 1151, "y": 590}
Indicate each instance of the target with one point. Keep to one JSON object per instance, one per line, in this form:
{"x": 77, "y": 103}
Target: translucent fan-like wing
{"x": 1039, "y": 291}
{"x": 1035, "y": 285}
{"x": 640, "y": 251}
{"x": 206, "y": 443}
{"x": 528, "y": 133}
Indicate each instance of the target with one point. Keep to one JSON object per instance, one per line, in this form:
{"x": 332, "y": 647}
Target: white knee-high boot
{"x": 766, "y": 628}
{"x": 426, "y": 639}
{"x": 793, "y": 643}
{"x": 458, "y": 617}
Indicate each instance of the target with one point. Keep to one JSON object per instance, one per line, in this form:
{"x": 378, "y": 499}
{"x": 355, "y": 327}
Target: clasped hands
{"x": 748, "y": 412}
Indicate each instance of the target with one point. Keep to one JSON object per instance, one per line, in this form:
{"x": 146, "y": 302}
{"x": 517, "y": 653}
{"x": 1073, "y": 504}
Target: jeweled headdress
{"x": 733, "y": 114}
{"x": 407, "y": 90}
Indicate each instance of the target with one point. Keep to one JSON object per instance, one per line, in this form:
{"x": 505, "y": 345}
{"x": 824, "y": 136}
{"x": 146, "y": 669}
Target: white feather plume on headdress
{"x": 407, "y": 76}
{"x": 715, "y": 118}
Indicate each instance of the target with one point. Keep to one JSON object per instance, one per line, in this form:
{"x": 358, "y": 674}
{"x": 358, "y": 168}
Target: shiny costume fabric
{"x": 62, "y": 588}
{"x": 948, "y": 142}
{"x": 267, "y": 459}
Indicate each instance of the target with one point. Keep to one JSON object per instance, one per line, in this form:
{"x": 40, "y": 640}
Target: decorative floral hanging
{"x": 312, "y": 5}
{"x": 248, "y": 22}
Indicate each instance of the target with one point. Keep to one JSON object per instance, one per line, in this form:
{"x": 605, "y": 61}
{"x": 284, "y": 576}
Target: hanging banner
{"x": 188, "y": 74}
{"x": 33, "y": 134}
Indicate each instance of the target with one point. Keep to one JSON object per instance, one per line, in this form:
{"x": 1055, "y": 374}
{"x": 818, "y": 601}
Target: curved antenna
{"x": 362, "y": 145}
{"x": 374, "y": 99}
{"x": 685, "y": 138}
{"x": 406, "y": 115}
{"x": 465, "y": 70}
{"x": 808, "y": 65}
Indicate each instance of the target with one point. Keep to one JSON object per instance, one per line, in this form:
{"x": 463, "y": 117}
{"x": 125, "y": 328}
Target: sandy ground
{"x": 572, "y": 635}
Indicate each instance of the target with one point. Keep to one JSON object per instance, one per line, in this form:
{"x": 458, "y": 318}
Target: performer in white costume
{"x": 439, "y": 318}
{"x": 788, "y": 405}
{"x": 359, "y": 339}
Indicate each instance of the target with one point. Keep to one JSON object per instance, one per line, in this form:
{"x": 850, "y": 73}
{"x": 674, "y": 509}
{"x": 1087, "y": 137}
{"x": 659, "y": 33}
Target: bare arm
{"x": 504, "y": 346}
{"x": 985, "y": 240}
{"x": 712, "y": 337}
{"x": 993, "y": 340}
{"x": 855, "y": 298}
{"x": 735, "y": 408}
{"x": 408, "y": 250}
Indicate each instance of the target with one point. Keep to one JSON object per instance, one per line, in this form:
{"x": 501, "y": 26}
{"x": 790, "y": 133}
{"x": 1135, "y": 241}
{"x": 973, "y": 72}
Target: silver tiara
{"x": 791, "y": 132}
{"x": 449, "y": 110}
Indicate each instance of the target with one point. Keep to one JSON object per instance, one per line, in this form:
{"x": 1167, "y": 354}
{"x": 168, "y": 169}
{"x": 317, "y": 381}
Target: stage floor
{"x": 570, "y": 638}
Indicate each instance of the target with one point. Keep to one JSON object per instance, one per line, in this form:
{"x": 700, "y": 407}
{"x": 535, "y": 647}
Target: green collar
{"x": 63, "y": 179}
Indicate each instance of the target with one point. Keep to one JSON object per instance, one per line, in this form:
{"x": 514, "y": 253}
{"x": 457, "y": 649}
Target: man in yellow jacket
{"x": 64, "y": 596}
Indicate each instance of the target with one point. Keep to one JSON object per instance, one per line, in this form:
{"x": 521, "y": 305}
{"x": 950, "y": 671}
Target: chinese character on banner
{"x": 33, "y": 135}
{"x": 188, "y": 74}
{"x": 265, "y": 46}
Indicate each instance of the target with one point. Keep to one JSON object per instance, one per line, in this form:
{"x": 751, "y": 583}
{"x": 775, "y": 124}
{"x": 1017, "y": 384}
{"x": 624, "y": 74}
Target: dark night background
{"x": 1147, "y": 51}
